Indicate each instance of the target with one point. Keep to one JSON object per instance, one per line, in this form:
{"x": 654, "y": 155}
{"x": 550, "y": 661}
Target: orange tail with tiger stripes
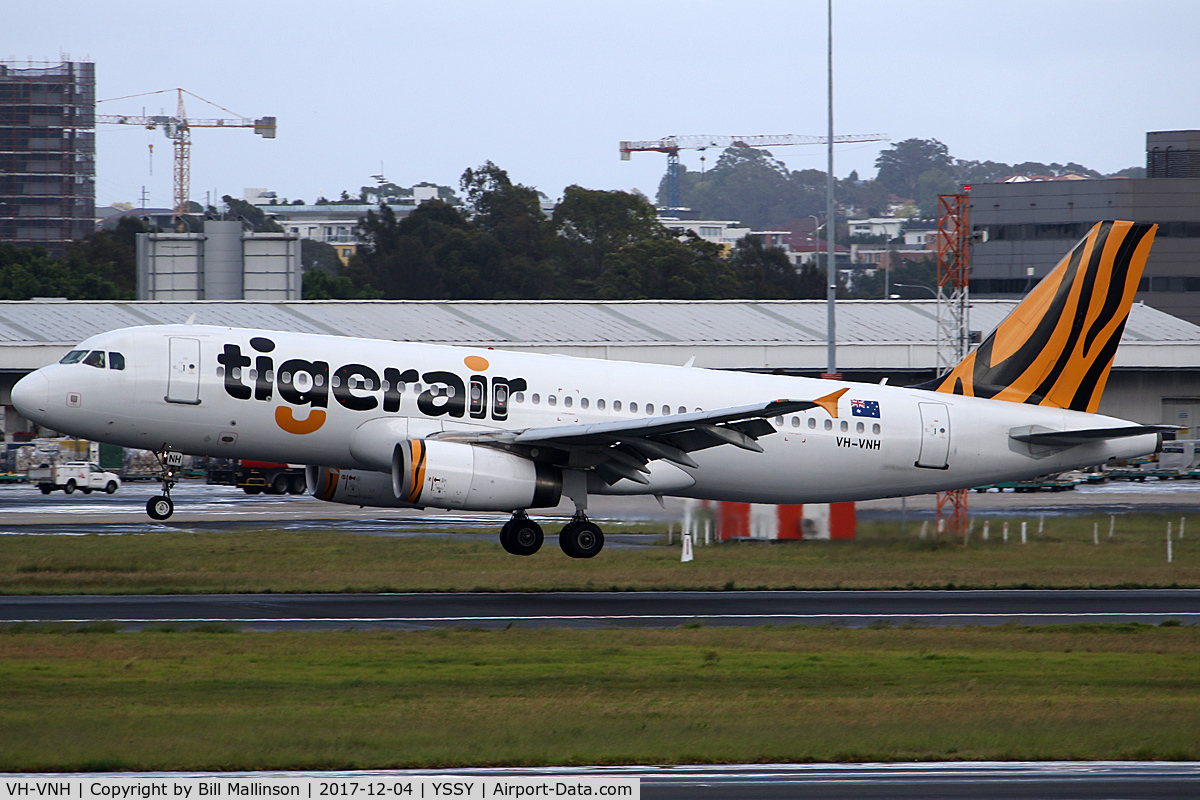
{"x": 1056, "y": 348}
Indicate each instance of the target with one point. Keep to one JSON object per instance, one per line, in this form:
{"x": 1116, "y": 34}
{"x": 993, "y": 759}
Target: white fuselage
{"x": 176, "y": 392}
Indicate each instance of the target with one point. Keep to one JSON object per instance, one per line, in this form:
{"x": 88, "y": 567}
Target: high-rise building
{"x": 47, "y": 153}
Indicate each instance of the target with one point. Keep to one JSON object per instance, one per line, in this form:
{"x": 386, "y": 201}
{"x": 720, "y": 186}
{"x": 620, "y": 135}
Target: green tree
{"x": 27, "y": 272}
{"x": 317, "y": 255}
{"x": 751, "y": 186}
{"x": 112, "y": 255}
{"x": 763, "y": 273}
{"x": 901, "y": 166}
{"x": 320, "y": 285}
{"x": 252, "y": 214}
{"x": 594, "y": 224}
{"x": 667, "y": 268}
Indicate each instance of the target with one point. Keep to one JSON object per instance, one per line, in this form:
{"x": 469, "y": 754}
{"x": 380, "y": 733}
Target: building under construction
{"x": 47, "y": 153}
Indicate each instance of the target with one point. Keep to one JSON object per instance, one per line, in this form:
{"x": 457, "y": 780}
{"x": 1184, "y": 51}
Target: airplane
{"x": 412, "y": 425}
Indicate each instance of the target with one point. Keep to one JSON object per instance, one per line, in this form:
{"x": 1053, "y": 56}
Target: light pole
{"x": 916, "y": 286}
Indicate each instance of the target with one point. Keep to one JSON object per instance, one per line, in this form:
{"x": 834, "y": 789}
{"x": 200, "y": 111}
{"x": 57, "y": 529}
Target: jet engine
{"x": 355, "y": 487}
{"x": 454, "y": 475}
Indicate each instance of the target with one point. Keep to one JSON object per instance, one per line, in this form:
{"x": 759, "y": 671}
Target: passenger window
{"x": 683, "y": 410}
{"x": 116, "y": 361}
{"x": 633, "y": 408}
{"x": 666, "y": 410}
{"x": 795, "y": 422}
{"x": 860, "y": 427}
{"x": 845, "y": 426}
{"x": 779, "y": 422}
{"x": 568, "y": 401}
{"x": 600, "y": 404}
{"x": 95, "y": 359}
{"x": 552, "y": 400}
{"x": 649, "y": 408}
{"x": 875, "y": 429}
{"x": 812, "y": 422}
{"x": 616, "y": 405}
{"x": 519, "y": 397}
{"x": 583, "y": 403}
{"x": 73, "y": 357}
{"x": 828, "y": 424}
{"x": 537, "y": 398}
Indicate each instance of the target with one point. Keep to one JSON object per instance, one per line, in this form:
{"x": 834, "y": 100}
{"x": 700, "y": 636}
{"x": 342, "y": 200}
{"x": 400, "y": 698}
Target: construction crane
{"x": 671, "y": 145}
{"x": 954, "y": 337}
{"x": 178, "y": 129}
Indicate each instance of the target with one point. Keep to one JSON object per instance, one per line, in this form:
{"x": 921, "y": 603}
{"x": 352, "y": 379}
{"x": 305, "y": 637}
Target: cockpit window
{"x": 73, "y": 357}
{"x": 116, "y": 361}
{"x": 95, "y": 359}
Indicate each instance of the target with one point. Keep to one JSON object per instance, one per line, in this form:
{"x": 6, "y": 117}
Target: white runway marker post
{"x": 1181, "y": 521}
{"x": 670, "y": 532}
{"x": 687, "y": 548}
{"x": 1022, "y": 531}
{"x": 1169, "y": 543}
{"x": 707, "y": 532}
{"x": 1112, "y": 524}
{"x": 986, "y": 525}
{"x": 1041, "y": 523}
{"x": 1006, "y": 531}
{"x": 1095, "y": 533}
{"x": 924, "y": 528}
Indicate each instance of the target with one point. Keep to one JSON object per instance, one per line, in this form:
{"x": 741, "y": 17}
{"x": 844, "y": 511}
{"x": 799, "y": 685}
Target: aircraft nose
{"x": 30, "y": 396}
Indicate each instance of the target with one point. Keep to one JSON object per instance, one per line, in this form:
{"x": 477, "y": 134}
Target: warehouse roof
{"x": 872, "y": 334}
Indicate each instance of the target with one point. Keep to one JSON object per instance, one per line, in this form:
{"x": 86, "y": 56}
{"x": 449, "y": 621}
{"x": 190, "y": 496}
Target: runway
{"x": 271, "y": 612}
{"x": 1110, "y": 780}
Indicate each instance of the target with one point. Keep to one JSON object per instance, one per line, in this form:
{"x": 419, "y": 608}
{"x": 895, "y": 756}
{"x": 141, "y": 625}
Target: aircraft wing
{"x": 1036, "y": 434}
{"x": 622, "y": 448}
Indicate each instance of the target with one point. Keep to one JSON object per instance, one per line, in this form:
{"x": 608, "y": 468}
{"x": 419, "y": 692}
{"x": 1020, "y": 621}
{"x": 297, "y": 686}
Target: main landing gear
{"x": 580, "y": 538}
{"x": 161, "y": 506}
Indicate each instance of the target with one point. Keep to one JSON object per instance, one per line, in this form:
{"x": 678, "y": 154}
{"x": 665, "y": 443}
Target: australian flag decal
{"x": 865, "y": 408}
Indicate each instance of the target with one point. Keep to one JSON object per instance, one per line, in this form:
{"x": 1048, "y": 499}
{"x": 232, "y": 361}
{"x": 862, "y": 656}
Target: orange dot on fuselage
{"x": 476, "y": 363}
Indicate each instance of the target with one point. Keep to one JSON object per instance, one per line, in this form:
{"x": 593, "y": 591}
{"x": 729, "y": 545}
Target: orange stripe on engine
{"x": 417, "y": 471}
{"x": 331, "y": 482}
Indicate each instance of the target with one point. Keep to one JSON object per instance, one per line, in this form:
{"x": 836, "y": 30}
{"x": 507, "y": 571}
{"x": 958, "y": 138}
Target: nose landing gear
{"x": 161, "y": 506}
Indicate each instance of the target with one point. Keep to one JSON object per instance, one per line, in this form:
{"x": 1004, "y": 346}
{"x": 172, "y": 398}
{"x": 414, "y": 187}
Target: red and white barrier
{"x": 813, "y": 521}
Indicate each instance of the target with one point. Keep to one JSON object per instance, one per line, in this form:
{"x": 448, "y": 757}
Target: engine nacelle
{"x": 454, "y": 475}
{"x": 355, "y": 487}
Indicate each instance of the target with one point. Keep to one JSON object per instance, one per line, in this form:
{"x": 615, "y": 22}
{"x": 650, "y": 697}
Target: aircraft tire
{"x": 581, "y": 539}
{"x": 524, "y": 537}
{"x": 111, "y": 487}
{"x": 70, "y": 487}
{"x": 160, "y": 507}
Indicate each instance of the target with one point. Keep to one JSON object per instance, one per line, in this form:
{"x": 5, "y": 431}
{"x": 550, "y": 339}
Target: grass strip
{"x": 232, "y": 701}
{"x": 271, "y": 560}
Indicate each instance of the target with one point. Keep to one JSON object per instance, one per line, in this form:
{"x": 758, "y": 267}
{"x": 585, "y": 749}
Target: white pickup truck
{"x": 73, "y": 475}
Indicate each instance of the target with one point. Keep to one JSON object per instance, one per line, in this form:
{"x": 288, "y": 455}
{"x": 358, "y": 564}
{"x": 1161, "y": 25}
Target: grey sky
{"x": 547, "y": 89}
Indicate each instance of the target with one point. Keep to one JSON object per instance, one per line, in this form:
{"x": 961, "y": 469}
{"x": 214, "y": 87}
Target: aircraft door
{"x": 935, "y": 436}
{"x": 183, "y": 381}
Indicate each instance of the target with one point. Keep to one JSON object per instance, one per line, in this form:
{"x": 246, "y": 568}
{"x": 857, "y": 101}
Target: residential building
{"x": 47, "y": 153}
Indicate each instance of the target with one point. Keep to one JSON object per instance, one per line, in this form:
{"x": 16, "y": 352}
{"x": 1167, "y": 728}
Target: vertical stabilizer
{"x": 1057, "y": 346}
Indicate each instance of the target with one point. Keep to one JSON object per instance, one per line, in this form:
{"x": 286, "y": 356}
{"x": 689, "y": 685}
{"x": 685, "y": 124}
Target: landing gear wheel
{"x": 581, "y": 538}
{"x": 521, "y": 536}
{"x": 160, "y": 507}
{"x": 70, "y": 487}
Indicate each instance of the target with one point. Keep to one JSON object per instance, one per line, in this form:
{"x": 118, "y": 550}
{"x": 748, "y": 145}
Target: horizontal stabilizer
{"x": 1039, "y": 435}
